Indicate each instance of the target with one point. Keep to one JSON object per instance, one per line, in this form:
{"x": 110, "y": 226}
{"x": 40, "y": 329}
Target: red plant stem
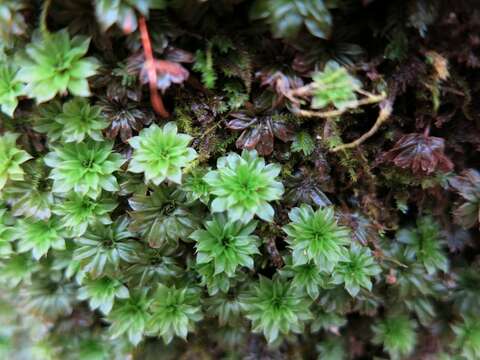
{"x": 155, "y": 97}
{"x": 426, "y": 131}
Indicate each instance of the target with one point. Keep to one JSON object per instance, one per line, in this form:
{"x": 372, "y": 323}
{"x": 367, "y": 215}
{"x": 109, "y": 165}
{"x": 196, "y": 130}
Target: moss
{"x": 262, "y": 179}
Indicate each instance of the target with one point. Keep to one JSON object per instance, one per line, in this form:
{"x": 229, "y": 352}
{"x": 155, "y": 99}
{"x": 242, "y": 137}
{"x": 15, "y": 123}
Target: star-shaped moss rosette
{"x": 161, "y": 153}
{"x": 124, "y": 113}
{"x": 153, "y": 267}
{"x": 397, "y": 335}
{"x": 195, "y": 186}
{"x": 315, "y": 235}
{"x": 31, "y": 197}
{"x": 47, "y": 298}
{"x": 214, "y": 282}
{"x": 10, "y": 87}
{"x": 56, "y": 64}
{"x": 410, "y": 284}
{"x": 79, "y": 211}
{"x": 129, "y": 317}
{"x": 467, "y": 337}
{"x": 164, "y": 216}
{"x": 327, "y": 320}
{"x": 11, "y": 158}
{"x": 287, "y": 18}
{"x": 334, "y": 85}
{"x": 356, "y": 270}
{"x": 39, "y": 236}
{"x": 243, "y": 186}
{"x": 102, "y": 248}
{"x": 85, "y": 168}
{"x": 227, "y": 244}
{"x": 16, "y": 269}
{"x": 80, "y": 120}
{"x": 332, "y": 347}
{"x": 226, "y": 307}
{"x": 466, "y": 296}
{"x": 45, "y": 120}
{"x": 275, "y": 307}
{"x": 307, "y": 277}
{"x": 424, "y": 244}
{"x": 174, "y": 312}
{"x": 102, "y": 292}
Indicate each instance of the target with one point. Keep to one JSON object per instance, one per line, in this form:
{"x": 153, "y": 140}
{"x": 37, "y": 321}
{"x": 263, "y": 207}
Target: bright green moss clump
{"x": 275, "y": 307}
{"x": 315, "y": 235}
{"x": 40, "y": 236}
{"x": 161, "y": 153}
{"x": 243, "y": 186}
{"x": 227, "y": 244}
{"x": 239, "y": 179}
{"x": 86, "y": 168}
{"x": 397, "y": 334}
{"x": 56, "y": 64}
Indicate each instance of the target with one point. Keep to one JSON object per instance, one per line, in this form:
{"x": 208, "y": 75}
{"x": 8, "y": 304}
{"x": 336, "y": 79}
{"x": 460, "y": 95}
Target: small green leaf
{"x": 10, "y": 87}
{"x": 334, "y": 85}
{"x": 303, "y": 142}
{"x": 101, "y": 293}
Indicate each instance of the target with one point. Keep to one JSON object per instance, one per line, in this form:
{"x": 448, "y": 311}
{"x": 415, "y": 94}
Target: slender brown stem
{"x": 385, "y": 112}
{"x": 371, "y": 99}
{"x": 210, "y": 129}
{"x": 155, "y": 98}
{"x": 301, "y": 91}
{"x": 43, "y": 18}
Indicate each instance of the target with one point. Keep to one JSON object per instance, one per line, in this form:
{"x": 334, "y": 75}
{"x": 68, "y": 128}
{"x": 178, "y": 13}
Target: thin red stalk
{"x": 155, "y": 97}
{"x": 426, "y": 131}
